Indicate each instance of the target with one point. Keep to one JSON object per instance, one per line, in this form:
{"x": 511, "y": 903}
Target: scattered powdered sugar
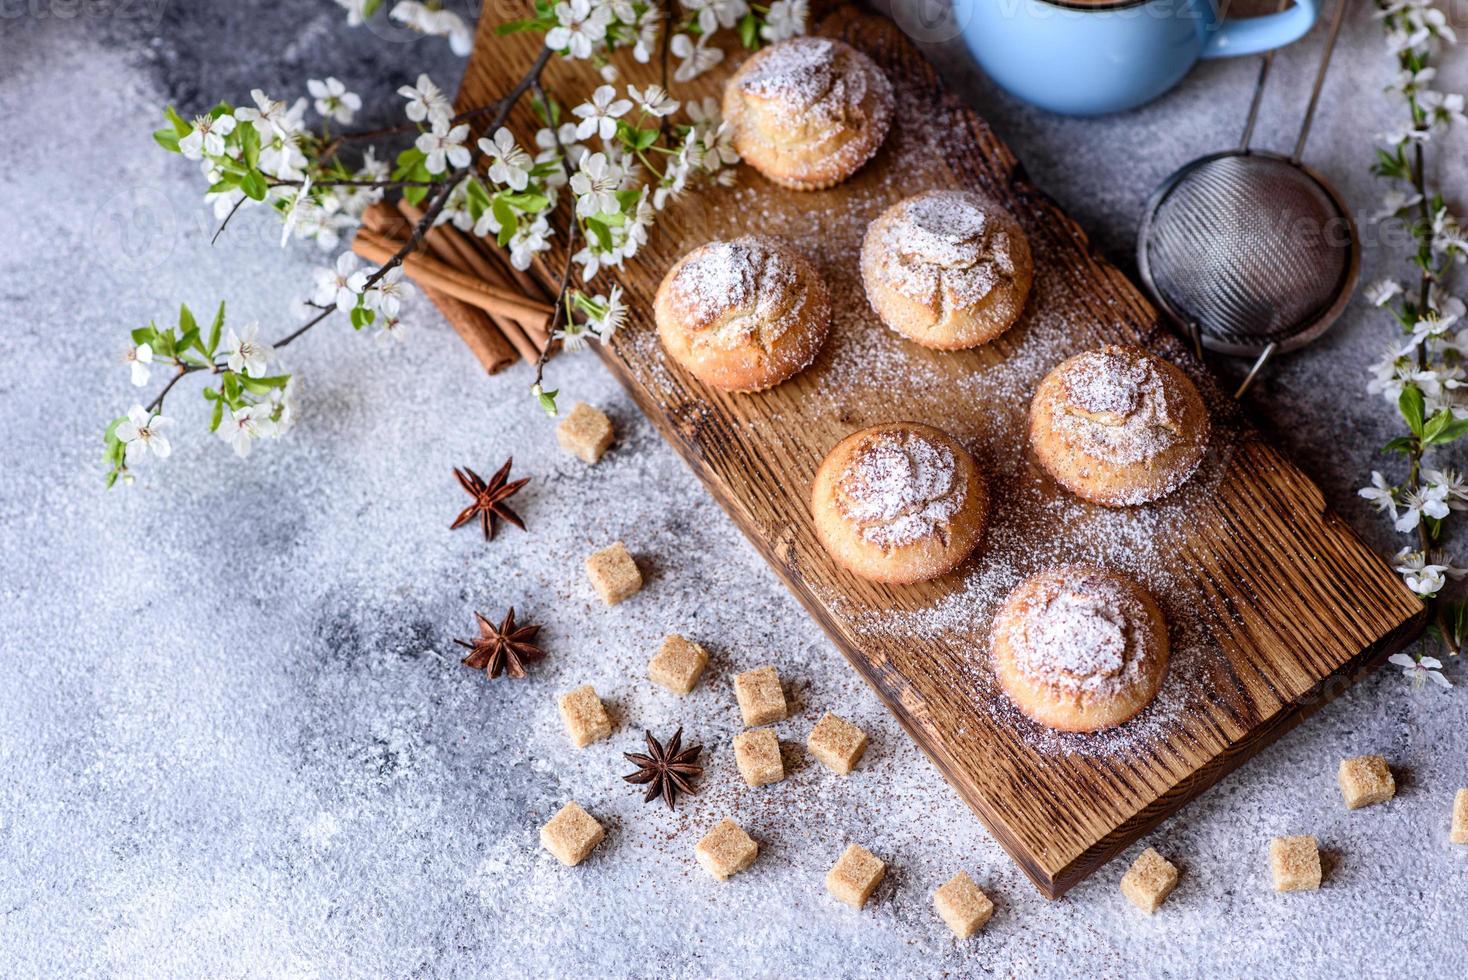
{"x": 737, "y": 293}
{"x": 1118, "y": 406}
{"x": 943, "y": 244}
{"x": 900, "y": 487}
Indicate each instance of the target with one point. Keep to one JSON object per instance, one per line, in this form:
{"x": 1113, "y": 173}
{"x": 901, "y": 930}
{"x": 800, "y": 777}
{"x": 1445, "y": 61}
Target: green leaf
{"x": 263, "y": 386}
{"x": 1450, "y": 431}
{"x": 167, "y": 139}
{"x": 504, "y": 214}
{"x": 415, "y": 195}
{"x": 217, "y": 415}
{"x": 546, "y": 399}
{"x": 214, "y": 330}
{"x": 749, "y": 30}
{"x": 362, "y": 317}
{"x": 1401, "y": 444}
{"x": 600, "y": 232}
{"x": 525, "y": 201}
{"x": 250, "y": 145}
{"x": 369, "y": 7}
{"x": 254, "y": 186}
{"x": 528, "y": 24}
{"x": 1411, "y": 405}
{"x": 145, "y": 335}
{"x": 180, "y": 125}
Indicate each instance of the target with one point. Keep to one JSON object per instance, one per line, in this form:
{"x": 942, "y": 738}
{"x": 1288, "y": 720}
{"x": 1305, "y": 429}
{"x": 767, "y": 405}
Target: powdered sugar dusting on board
{"x": 900, "y": 487}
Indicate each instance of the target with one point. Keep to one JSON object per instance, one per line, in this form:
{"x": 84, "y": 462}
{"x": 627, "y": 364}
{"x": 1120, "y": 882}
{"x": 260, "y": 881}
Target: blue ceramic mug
{"x": 1087, "y": 57}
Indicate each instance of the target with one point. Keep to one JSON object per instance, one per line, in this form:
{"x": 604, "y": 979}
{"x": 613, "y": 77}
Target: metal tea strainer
{"x": 1252, "y": 252}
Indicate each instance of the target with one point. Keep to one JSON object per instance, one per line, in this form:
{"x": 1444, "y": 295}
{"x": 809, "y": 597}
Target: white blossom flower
{"x": 247, "y": 354}
{"x": 356, "y": 11}
{"x": 695, "y": 58}
{"x": 595, "y": 185}
{"x": 333, "y": 101}
{"x": 511, "y": 165}
{"x": 387, "y": 294}
{"x": 1408, "y": 80}
{"x": 334, "y": 286}
{"x": 1451, "y": 483}
{"x": 243, "y": 426}
{"x": 207, "y": 136}
{"x": 1395, "y": 202}
{"x": 649, "y": 31}
{"x": 786, "y": 19}
{"x": 426, "y": 101}
{"x": 612, "y": 315}
{"x": 654, "y": 100}
{"x": 138, "y": 358}
{"x": 268, "y": 116}
{"x": 573, "y": 337}
{"x": 719, "y": 148}
{"x": 713, "y": 14}
{"x": 575, "y": 152}
{"x": 300, "y": 205}
{"x": 282, "y": 407}
{"x": 591, "y": 259}
{"x": 444, "y": 148}
{"x": 391, "y": 329}
{"x": 1383, "y": 495}
{"x": 225, "y": 201}
{"x": 528, "y": 241}
{"x": 599, "y": 115}
{"x": 435, "y": 22}
{"x": 142, "y": 432}
{"x": 1420, "y": 671}
{"x": 1383, "y": 291}
{"x": 1444, "y": 108}
{"x": 579, "y": 28}
{"x": 1429, "y": 501}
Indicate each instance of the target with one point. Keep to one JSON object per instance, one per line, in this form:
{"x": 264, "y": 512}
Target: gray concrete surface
{"x": 234, "y": 737}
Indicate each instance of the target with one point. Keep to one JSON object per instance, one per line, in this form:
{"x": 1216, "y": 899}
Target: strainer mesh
{"x": 1250, "y": 248}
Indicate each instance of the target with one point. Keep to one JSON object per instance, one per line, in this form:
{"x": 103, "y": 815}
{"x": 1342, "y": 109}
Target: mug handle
{"x": 1237, "y": 36}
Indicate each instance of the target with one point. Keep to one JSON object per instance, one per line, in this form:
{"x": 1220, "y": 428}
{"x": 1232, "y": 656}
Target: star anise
{"x": 489, "y": 498}
{"x": 506, "y": 647}
{"x": 666, "y": 771}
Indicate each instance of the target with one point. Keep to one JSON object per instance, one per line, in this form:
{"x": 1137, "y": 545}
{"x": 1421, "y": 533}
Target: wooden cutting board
{"x": 1274, "y": 606}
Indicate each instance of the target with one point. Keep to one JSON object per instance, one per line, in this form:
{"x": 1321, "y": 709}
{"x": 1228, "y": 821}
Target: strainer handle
{"x": 1237, "y": 36}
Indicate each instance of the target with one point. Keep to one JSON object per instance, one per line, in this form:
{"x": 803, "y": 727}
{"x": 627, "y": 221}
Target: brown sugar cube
{"x": 585, "y": 433}
{"x": 678, "y": 664}
{"x": 962, "y": 905}
{"x": 585, "y": 716}
{"x": 571, "y": 834}
{"x": 757, "y": 753}
{"x": 855, "y": 875}
{"x": 613, "y": 574}
{"x": 1295, "y": 863}
{"x": 1366, "y": 780}
{"x": 837, "y": 743}
{"x": 1459, "y": 834}
{"x": 1149, "y": 881}
{"x": 726, "y": 850}
{"x": 760, "y": 699}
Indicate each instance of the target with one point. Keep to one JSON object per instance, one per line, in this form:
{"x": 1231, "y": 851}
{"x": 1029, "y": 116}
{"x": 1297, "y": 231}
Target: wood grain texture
{"x": 1273, "y": 604}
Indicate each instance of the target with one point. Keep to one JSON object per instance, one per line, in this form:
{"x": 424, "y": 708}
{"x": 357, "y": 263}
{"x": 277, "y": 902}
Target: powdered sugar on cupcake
{"x": 900, "y": 488}
{"x": 738, "y": 293}
{"x": 1080, "y": 636}
{"x": 1117, "y": 407}
{"x": 943, "y": 246}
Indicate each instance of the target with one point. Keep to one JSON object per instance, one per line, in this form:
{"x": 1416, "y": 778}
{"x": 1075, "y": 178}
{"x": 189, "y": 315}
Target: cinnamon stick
{"x": 431, "y": 273}
{"x": 474, "y": 326}
{"x": 438, "y": 242}
{"x": 464, "y": 255}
